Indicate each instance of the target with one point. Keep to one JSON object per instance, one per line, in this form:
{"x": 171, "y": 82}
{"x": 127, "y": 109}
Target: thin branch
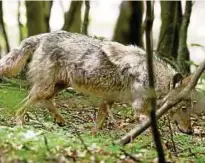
{"x": 173, "y": 100}
{"x": 86, "y": 18}
{"x": 152, "y": 99}
{"x": 46, "y": 143}
{"x": 81, "y": 139}
{"x": 172, "y": 135}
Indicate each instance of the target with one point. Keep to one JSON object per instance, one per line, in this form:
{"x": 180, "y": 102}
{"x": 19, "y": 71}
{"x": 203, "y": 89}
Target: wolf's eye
{"x": 184, "y": 109}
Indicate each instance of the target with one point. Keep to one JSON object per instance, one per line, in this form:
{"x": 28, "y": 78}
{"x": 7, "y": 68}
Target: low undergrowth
{"x": 41, "y": 140}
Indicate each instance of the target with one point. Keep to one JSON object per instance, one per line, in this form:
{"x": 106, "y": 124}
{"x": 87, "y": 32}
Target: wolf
{"x": 102, "y": 68}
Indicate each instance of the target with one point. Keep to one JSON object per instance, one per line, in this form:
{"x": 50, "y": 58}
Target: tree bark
{"x": 36, "y": 17}
{"x": 152, "y": 98}
{"x": 20, "y": 25}
{"x": 171, "y": 15}
{"x": 48, "y": 6}
{"x": 86, "y": 18}
{"x": 128, "y": 29}
{"x": 3, "y": 28}
{"x": 73, "y": 17}
{"x": 183, "y": 52}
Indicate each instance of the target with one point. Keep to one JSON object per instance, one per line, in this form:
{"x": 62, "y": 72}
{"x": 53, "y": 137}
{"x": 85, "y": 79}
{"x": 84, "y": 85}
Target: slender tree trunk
{"x": 48, "y": 6}
{"x": 36, "y": 17}
{"x": 183, "y": 52}
{"x": 36, "y": 22}
{"x": 128, "y": 29}
{"x": 136, "y": 23}
{"x": 20, "y": 25}
{"x": 73, "y": 17}
{"x": 86, "y": 18}
{"x": 152, "y": 99}
{"x": 3, "y": 28}
{"x": 171, "y": 14}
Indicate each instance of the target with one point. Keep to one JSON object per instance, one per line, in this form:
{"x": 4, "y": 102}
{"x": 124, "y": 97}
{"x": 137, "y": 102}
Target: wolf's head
{"x": 181, "y": 113}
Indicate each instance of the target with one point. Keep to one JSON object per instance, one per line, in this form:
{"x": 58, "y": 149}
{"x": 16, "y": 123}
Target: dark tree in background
{"x": 2, "y": 28}
{"x": 86, "y": 18}
{"x": 183, "y": 51}
{"x": 173, "y": 34}
{"x": 36, "y": 16}
{"x": 73, "y": 20}
{"x": 171, "y": 16}
{"x": 48, "y": 6}
{"x": 20, "y": 25}
{"x": 128, "y": 29}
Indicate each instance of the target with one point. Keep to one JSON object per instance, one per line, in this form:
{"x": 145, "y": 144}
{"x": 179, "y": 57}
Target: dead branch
{"x": 172, "y": 135}
{"x": 165, "y": 107}
{"x": 152, "y": 99}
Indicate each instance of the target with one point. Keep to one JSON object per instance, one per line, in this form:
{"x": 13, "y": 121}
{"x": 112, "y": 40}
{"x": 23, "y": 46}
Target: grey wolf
{"x": 102, "y": 68}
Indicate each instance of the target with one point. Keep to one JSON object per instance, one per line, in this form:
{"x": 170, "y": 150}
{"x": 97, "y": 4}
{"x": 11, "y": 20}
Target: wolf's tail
{"x": 14, "y": 61}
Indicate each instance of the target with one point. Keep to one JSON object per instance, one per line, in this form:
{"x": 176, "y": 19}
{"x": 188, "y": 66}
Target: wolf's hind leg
{"x": 19, "y": 116}
{"x": 103, "y": 111}
{"x": 49, "y": 104}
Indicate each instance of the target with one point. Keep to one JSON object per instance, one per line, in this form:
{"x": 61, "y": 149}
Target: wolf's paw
{"x": 18, "y": 120}
{"x": 94, "y": 131}
{"x": 60, "y": 121}
{"x": 139, "y": 118}
{"x": 142, "y": 118}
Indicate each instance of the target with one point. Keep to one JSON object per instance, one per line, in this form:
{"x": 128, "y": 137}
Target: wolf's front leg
{"x": 140, "y": 107}
{"x": 49, "y": 104}
{"x": 19, "y": 116}
{"x": 103, "y": 112}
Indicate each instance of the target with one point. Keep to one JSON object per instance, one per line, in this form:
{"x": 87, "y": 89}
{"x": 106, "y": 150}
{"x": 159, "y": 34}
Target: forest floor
{"x": 41, "y": 140}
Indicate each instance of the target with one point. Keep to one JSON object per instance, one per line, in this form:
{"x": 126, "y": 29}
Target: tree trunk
{"x": 48, "y": 6}
{"x": 128, "y": 29}
{"x": 73, "y": 17}
{"x": 3, "y": 28}
{"x": 36, "y": 17}
{"x": 86, "y": 18}
{"x": 171, "y": 15}
{"x": 20, "y": 25}
{"x": 183, "y": 52}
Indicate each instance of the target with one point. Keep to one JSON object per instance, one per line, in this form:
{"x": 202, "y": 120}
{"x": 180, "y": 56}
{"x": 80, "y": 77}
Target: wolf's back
{"x": 15, "y": 60}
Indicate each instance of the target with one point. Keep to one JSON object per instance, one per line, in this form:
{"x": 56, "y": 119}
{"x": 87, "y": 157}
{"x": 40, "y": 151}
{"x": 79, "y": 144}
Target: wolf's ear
{"x": 114, "y": 49}
{"x": 176, "y": 81}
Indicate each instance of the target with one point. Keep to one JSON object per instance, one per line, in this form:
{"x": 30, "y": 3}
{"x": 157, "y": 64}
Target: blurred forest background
{"x": 121, "y": 21}
{"x": 178, "y": 38}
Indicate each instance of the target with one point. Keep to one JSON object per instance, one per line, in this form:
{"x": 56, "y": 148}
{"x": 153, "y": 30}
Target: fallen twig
{"x": 172, "y": 135}
{"x": 46, "y": 143}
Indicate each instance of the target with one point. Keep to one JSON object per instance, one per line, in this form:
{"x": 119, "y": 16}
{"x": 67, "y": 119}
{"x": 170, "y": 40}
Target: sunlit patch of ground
{"x": 41, "y": 140}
